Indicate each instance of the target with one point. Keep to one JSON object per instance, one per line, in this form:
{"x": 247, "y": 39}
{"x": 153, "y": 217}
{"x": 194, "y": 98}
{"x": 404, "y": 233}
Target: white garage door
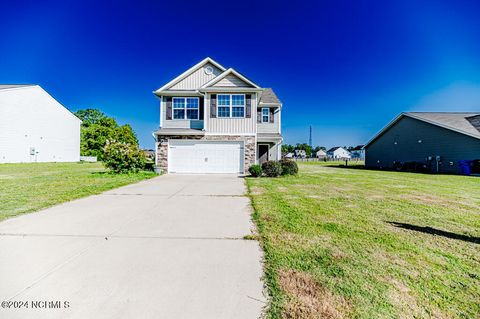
{"x": 191, "y": 156}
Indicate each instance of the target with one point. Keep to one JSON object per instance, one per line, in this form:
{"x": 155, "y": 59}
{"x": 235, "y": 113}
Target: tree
{"x": 287, "y": 148}
{"x": 97, "y": 129}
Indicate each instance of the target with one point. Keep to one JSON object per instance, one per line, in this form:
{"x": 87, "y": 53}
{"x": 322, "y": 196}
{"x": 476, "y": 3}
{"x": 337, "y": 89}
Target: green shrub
{"x": 289, "y": 167}
{"x": 272, "y": 168}
{"x": 255, "y": 170}
{"x": 123, "y": 157}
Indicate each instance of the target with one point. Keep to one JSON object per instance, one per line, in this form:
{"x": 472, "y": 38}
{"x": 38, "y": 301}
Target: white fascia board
{"x": 230, "y": 90}
{"x": 178, "y": 93}
{"x": 190, "y": 71}
{"x": 228, "y": 72}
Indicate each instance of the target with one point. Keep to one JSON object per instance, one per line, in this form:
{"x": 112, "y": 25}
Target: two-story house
{"x": 216, "y": 120}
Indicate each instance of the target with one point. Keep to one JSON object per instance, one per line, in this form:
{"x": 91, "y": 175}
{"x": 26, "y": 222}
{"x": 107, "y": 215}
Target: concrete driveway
{"x": 170, "y": 247}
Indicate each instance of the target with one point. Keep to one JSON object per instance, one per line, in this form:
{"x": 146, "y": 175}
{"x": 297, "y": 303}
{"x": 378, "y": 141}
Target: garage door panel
{"x": 190, "y": 156}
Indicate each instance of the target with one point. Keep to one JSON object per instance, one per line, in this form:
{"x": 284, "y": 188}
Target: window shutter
{"x": 259, "y": 115}
{"x": 213, "y": 106}
{"x": 169, "y": 107}
{"x": 200, "y": 109}
{"x": 271, "y": 115}
{"x": 248, "y": 105}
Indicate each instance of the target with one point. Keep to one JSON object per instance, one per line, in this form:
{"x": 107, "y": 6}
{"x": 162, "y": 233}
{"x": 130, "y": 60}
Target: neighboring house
{"x": 300, "y": 153}
{"x": 321, "y": 154}
{"x": 358, "y": 152}
{"x": 439, "y": 140}
{"x": 338, "y": 153}
{"x": 216, "y": 120}
{"x": 289, "y": 155}
{"x": 34, "y": 127}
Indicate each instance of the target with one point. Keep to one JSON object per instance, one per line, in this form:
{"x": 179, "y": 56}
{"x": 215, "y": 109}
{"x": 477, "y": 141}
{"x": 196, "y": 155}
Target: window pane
{"x": 238, "y": 100}
{"x": 223, "y": 111}
{"x": 265, "y": 119}
{"x": 192, "y": 103}
{"x": 265, "y": 111}
{"x": 178, "y": 103}
{"x": 178, "y": 114}
{"x": 192, "y": 114}
{"x": 238, "y": 111}
{"x": 223, "y": 99}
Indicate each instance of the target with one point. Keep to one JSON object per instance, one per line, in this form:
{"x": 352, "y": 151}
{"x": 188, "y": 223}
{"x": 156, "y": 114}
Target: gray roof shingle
{"x": 467, "y": 122}
{"x": 269, "y": 97}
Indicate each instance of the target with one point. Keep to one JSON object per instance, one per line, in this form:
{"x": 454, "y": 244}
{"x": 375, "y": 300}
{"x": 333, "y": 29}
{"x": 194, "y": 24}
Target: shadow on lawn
{"x": 438, "y": 232}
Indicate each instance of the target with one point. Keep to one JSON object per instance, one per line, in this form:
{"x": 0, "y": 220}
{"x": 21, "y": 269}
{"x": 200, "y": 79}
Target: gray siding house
{"x": 215, "y": 120}
{"x": 437, "y": 140}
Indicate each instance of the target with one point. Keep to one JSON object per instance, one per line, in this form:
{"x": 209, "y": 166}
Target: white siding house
{"x": 34, "y": 127}
{"x": 338, "y": 153}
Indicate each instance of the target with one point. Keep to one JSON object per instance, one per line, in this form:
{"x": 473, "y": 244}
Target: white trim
{"x": 161, "y": 107}
{"x": 268, "y": 115}
{"x": 185, "y": 108}
{"x": 228, "y": 134}
{"x": 232, "y": 106}
{"x": 190, "y": 71}
{"x": 228, "y": 72}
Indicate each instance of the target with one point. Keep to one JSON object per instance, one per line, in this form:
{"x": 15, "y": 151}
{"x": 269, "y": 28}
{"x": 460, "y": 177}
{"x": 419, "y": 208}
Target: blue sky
{"x": 344, "y": 67}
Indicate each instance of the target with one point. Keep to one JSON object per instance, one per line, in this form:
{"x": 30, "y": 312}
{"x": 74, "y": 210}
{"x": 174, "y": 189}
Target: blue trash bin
{"x": 465, "y": 167}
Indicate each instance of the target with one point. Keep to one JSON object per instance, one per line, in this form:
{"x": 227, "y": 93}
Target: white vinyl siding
{"x": 197, "y": 79}
{"x": 270, "y": 127}
{"x": 231, "y": 81}
{"x": 34, "y": 127}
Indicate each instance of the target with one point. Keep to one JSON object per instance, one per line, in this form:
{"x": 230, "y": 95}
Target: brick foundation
{"x": 249, "y": 150}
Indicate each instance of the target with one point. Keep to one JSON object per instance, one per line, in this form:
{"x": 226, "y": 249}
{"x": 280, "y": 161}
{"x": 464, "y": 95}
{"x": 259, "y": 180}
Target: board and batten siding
{"x": 450, "y": 145}
{"x": 231, "y": 125}
{"x": 231, "y": 81}
{"x": 197, "y": 79}
{"x": 32, "y": 120}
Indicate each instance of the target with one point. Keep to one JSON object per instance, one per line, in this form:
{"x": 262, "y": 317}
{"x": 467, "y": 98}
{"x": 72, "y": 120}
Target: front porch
{"x": 269, "y": 147}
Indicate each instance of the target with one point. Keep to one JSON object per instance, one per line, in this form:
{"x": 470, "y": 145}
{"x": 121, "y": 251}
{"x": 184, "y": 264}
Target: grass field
{"x": 29, "y": 187}
{"x": 355, "y": 243}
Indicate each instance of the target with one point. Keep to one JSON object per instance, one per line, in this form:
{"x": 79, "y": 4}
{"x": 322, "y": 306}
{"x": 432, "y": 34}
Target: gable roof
{"x": 466, "y": 123}
{"x": 357, "y": 148}
{"x": 269, "y": 97}
{"x": 190, "y": 71}
{"x": 226, "y": 73}
{"x": 333, "y": 149}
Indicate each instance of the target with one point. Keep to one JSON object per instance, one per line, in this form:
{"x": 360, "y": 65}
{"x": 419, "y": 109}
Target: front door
{"x": 262, "y": 153}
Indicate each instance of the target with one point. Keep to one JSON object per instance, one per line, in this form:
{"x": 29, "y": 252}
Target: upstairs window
{"x": 265, "y": 115}
{"x": 231, "y": 105}
{"x": 185, "y": 108}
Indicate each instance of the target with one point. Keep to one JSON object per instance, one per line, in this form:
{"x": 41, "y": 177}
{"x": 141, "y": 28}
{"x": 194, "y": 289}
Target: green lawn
{"x": 355, "y": 243}
{"x": 29, "y": 187}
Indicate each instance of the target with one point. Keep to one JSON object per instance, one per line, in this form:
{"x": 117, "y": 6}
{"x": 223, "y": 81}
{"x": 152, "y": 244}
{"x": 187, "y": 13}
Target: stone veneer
{"x": 249, "y": 149}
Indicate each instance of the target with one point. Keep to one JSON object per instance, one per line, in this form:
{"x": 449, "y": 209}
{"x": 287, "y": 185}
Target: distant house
{"x": 34, "y": 127}
{"x": 338, "y": 153}
{"x": 300, "y": 153}
{"x": 358, "y": 152}
{"x": 321, "y": 154}
{"x": 438, "y": 141}
{"x": 288, "y": 155}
